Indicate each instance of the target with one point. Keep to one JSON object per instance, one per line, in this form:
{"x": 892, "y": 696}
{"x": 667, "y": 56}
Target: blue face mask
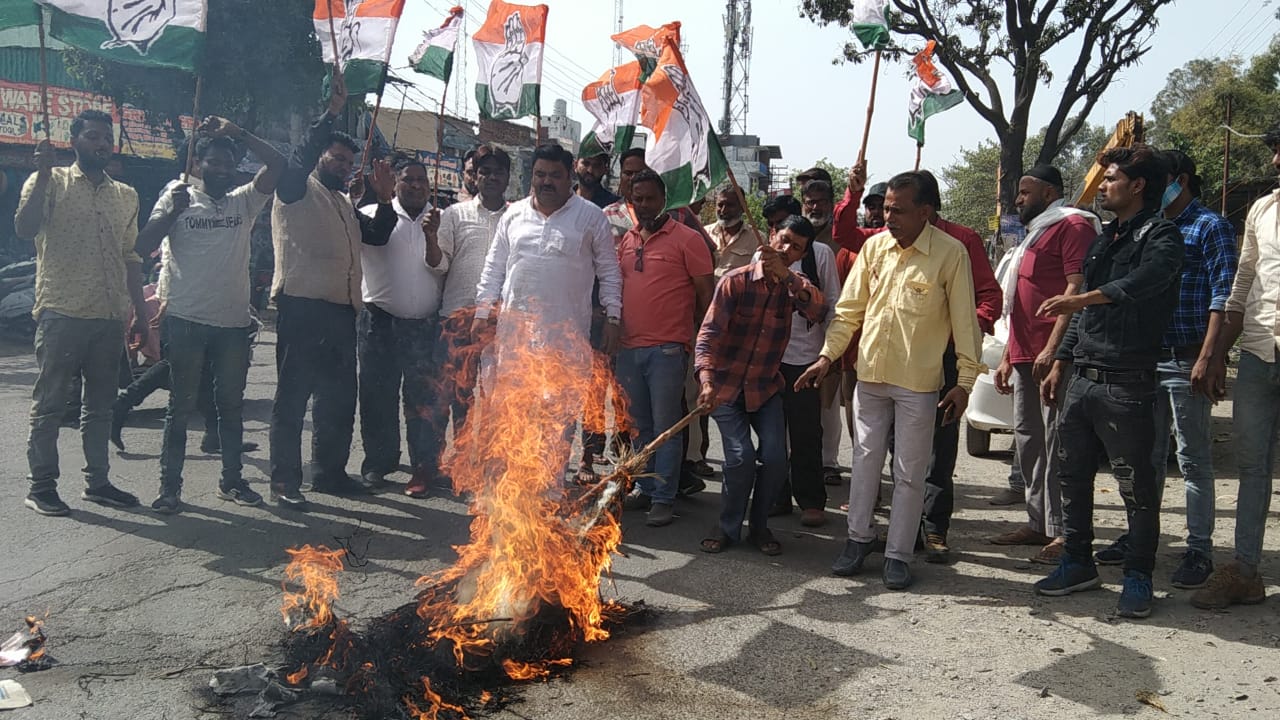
{"x": 1171, "y": 193}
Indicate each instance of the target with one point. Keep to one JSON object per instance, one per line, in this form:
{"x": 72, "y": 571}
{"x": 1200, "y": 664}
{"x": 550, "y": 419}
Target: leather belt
{"x": 1116, "y": 377}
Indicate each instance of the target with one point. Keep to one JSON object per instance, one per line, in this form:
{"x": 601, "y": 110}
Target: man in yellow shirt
{"x": 87, "y": 274}
{"x": 909, "y": 291}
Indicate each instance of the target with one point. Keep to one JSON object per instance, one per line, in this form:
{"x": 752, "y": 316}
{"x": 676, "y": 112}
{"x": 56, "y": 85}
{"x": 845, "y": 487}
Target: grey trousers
{"x": 65, "y": 348}
{"x": 1035, "y": 450}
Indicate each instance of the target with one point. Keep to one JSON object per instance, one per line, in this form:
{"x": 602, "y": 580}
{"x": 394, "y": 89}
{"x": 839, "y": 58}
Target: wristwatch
{"x": 615, "y": 321}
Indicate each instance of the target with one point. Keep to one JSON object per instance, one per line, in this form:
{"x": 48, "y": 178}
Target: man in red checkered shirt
{"x": 738, "y": 358}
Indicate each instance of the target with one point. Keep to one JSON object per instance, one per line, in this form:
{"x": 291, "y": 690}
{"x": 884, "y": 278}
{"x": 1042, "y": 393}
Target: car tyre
{"x": 977, "y": 442}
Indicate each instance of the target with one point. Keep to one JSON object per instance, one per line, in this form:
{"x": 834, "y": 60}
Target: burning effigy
{"x": 524, "y": 595}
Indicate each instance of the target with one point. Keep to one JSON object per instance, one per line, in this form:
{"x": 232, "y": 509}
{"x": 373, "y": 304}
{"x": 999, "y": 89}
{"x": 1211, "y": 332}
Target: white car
{"x": 989, "y": 411}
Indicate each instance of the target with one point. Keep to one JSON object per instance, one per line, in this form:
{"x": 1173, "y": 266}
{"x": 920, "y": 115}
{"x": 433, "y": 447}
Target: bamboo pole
{"x": 44, "y": 74}
{"x": 439, "y": 143}
{"x": 919, "y": 148}
{"x": 1226, "y": 157}
{"x": 195, "y": 123}
{"x": 871, "y": 108}
{"x": 333, "y": 39}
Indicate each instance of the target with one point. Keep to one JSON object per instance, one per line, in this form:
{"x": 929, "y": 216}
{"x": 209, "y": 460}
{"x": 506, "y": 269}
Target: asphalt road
{"x": 141, "y": 607}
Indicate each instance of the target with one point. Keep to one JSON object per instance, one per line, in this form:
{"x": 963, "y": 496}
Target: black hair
{"x": 780, "y": 203}
{"x": 556, "y": 153}
{"x": 649, "y": 176}
{"x": 1139, "y": 161}
{"x": 205, "y": 145}
{"x": 932, "y": 193}
{"x": 799, "y": 225}
{"x": 630, "y": 153}
{"x": 1272, "y": 136}
{"x": 403, "y": 162}
{"x": 1180, "y": 163}
{"x": 337, "y": 137}
{"x": 819, "y": 186}
{"x": 916, "y": 180}
{"x": 471, "y": 154}
{"x": 88, "y": 116}
{"x": 489, "y": 152}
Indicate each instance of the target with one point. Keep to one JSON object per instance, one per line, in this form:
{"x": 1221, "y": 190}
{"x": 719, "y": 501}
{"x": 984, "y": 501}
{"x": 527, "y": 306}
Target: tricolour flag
{"x": 434, "y": 56}
{"x": 931, "y": 93}
{"x": 614, "y": 101}
{"x": 365, "y": 30}
{"x": 509, "y": 50}
{"x": 18, "y": 13}
{"x": 647, "y": 42}
{"x": 869, "y": 20}
{"x": 167, "y": 33}
{"x": 683, "y": 148}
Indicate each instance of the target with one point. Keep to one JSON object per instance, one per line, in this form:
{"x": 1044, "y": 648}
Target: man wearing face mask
{"x": 1190, "y": 344}
{"x": 734, "y": 238}
{"x": 666, "y": 285}
{"x": 317, "y": 235}
{"x": 738, "y": 359}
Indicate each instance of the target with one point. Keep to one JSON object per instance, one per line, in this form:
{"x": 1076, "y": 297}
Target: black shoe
{"x": 1114, "y": 553}
{"x": 690, "y": 484}
{"x": 119, "y": 413}
{"x": 214, "y": 447}
{"x": 338, "y": 485}
{"x": 780, "y": 510}
{"x": 110, "y": 495}
{"x": 167, "y": 502}
{"x": 702, "y": 469}
{"x": 47, "y": 502}
{"x": 897, "y": 574}
{"x": 291, "y": 499}
{"x": 851, "y": 558}
{"x": 373, "y": 480}
{"x": 240, "y": 493}
{"x": 936, "y": 550}
{"x": 1194, "y": 570}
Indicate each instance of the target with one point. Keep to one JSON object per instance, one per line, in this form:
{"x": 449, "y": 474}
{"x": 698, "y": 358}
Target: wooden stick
{"x": 195, "y": 123}
{"x": 333, "y": 38}
{"x": 44, "y": 74}
{"x": 919, "y": 147}
{"x": 871, "y": 108}
{"x": 439, "y": 143}
{"x": 1226, "y": 156}
{"x": 636, "y": 462}
{"x": 373, "y": 125}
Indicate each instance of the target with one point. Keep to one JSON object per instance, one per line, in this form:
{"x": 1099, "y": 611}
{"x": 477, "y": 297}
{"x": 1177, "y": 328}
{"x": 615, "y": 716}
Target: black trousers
{"x": 396, "y": 359}
{"x": 156, "y": 378}
{"x": 1111, "y": 420}
{"x": 803, "y": 413}
{"x": 939, "y": 483}
{"x": 315, "y": 360}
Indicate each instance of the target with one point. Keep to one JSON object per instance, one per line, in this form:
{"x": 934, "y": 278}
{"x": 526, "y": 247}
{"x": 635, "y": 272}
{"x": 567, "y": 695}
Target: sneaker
{"x": 636, "y": 501}
{"x": 167, "y": 503}
{"x": 338, "y": 485}
{"x": 1227, "y": 586}
{"x": 292, "y": 499}
{"x": 897, "y": 574}
{"x": 851, "y": 558}
{"x": 1136, "y": 595}
{"x": 1071, "y": 575}
{"x": 240, "y": 494}
{"x": 702, "y": 469}
{"x": 936, "y": 549}
{"x": 690, "y": 484}
{"x": 1114, "y": 553}
{"x": 48, "y": 503}
{"x": 1194, "y": 570}
{"x": 660, "y": 515}
{"x": 418, "y": 486}
{"x": 1007, "y": 496}
{"x": 372, "y": 480}
{"x": 831, "y": 476}
{"x": 110, "y": 495}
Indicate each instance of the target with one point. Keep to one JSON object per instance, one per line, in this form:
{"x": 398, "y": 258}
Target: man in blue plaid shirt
{"x": 1190, "y": 343}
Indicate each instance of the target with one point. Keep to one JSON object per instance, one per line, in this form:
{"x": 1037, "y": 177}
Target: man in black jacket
{"x": 1107, "y": 363}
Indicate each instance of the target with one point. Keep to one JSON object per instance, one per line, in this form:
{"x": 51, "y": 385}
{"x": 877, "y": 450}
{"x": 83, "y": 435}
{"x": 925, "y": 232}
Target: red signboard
{"x": 21, "y": 122}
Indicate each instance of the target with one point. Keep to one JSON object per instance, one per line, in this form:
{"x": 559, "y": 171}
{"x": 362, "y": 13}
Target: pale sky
{"x": 798, "y": 98}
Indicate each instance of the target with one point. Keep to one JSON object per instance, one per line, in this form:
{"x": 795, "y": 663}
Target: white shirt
{"x": 547, "y": 265}
{"x": 204, "y": 272}
{"x": 807, "y": 338}
{"x": 466, "y": 232}
{"x": 397, "y": 277}
{"x": 1256, "y": 290}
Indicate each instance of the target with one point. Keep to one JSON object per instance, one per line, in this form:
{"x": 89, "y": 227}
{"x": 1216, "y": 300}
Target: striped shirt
{"x": 746, "y": 330}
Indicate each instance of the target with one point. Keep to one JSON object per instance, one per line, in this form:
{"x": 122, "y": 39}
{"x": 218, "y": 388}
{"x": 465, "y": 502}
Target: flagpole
{"x": 439, "y": 141}
{"x": 871, "y": 108}
{"x": 333, "y": 38}
{"x": 195, "y": 123}
{"x": 44, "y": 74}
{"x": 919, "y": 147}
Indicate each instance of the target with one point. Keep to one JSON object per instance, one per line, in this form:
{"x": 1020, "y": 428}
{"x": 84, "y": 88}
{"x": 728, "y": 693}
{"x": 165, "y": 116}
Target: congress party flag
{"x": 162, "y": 33}
{"x": 931, "y": 93}
{"x": 683, "y": 147}
{"x": 614, "y": 101}
{"x": 364, "y": 30}
{"x": 434, "y": 56}
{"x": 509, "y": 54}
{"x": 18, "y": 13}
{"x": 869, "y": 20}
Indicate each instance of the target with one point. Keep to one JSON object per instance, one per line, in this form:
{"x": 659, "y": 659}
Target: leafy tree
{"x": 970, "y": 197}
{"x": 261, "y": 63}
{"x": 1191, "y": 109}
{"x": 978, "y": 38}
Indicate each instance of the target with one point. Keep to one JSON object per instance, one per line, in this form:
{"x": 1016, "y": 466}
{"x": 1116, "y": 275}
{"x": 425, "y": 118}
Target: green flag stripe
{"x": 436, "y": 62}
{"x": 932, "y": 105}
{"x": 363, "y": 75}
{"x": 17, "y": 13}
{"x": 872, "y": 35}
{"x": 177, "y": 47}
{"x": 683, "y": 188}
{"x": 527, "y": 105}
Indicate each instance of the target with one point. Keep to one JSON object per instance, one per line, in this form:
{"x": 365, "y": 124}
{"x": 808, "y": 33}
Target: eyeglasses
{"x": 640, "y": 259}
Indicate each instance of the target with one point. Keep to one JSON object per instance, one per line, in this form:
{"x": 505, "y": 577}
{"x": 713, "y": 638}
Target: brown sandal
{"x": 767, "y": 543}
{"x": 716, "y": 542}
{"x": 1050, "y": 554}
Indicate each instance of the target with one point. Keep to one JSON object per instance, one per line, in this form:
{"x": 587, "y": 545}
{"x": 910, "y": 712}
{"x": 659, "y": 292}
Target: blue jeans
{"x": 653, "y": 378}
{"x": 189, "y": 347}
{"x": 1188, "y": 413}
{"x": 741, "y": 476}
{"x": 1255, "y": 417}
